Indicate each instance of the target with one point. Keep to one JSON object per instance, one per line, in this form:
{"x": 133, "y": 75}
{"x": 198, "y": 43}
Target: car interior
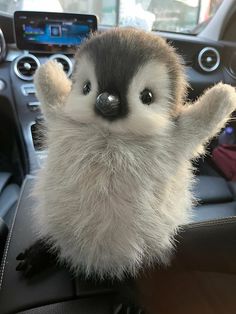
{"x": 202, "y": 275}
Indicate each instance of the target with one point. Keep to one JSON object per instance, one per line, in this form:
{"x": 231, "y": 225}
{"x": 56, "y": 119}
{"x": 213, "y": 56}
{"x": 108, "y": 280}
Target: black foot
{"x": 35, "y": 259}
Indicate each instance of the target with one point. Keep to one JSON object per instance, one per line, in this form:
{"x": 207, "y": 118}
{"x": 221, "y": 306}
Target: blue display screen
{"x": 67, "y": 33}
{"x": 52, "y": 32}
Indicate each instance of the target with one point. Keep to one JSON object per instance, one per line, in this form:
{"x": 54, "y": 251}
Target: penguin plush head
{"x": 126, "y": 80}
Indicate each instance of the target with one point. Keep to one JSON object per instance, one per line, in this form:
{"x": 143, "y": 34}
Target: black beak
{"x": 108, "y": 105}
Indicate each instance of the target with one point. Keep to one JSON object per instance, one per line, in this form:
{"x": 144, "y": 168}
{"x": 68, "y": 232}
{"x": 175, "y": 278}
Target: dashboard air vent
{"x": 209, "y": 59}
{"x": 64, "y": 61}
{"x": 25, "y": 66}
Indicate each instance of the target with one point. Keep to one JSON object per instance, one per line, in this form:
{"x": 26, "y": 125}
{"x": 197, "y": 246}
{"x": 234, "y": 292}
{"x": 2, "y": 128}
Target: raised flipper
{"x": 52, "y": 87}
{"x": 202, "y": 120}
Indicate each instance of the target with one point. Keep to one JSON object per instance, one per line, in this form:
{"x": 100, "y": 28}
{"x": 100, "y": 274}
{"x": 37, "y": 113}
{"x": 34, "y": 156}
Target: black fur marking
{"x": 36, "y": 258}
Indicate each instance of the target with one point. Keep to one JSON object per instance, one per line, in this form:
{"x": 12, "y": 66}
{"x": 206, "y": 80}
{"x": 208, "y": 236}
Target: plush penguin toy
{"x": 116, "y": 185}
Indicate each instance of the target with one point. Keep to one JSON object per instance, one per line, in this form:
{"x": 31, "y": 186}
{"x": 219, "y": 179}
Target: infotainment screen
{"x": 52, "y": 32}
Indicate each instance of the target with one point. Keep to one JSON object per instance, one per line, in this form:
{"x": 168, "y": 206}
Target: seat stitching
{"x": 3, "y": 264}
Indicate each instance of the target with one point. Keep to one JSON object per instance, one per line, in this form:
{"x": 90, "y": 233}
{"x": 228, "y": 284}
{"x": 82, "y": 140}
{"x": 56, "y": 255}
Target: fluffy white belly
{"x": 109, "y": 205}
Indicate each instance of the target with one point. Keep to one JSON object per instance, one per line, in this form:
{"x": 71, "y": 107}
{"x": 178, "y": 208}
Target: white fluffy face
{"x": 153, "y": 118}
{"x": 79, "y": 106}
{"x": 141, "y": 118}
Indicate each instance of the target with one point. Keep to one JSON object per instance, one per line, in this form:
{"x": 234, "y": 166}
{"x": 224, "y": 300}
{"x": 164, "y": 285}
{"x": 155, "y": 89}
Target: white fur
{"x": 113, "y": 195}
{"x": 110, "y": 205}
{"x": 80, "y": 107}
{"x": 155, "y": 118}
{"x": 52, "y": 87}
{"x": 202, "y": 120}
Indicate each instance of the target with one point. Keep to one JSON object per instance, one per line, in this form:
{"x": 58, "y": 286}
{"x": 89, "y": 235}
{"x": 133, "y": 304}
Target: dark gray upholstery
{"x": 215, "y": 197}
{"x": 9, "y": 194}
{"x": 93, "y": 305}
{"x": 209, "y": 189}
{"x": 207, "y": 246}
{"x": 8, "y": 198}
{"x": 3, "y": 236}
{"x": 4, "y": 178}
{"x": 214, "y": 211}
{"x": 232, "y": 187}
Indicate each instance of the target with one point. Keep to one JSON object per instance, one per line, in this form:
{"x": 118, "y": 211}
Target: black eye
{"x": 86, "y": 87}
{"x": 146, "y": 96}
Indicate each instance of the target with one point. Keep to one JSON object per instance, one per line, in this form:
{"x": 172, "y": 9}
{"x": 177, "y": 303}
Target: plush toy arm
{"x": 52, "y": 87}
{"x": 203, "y": 119}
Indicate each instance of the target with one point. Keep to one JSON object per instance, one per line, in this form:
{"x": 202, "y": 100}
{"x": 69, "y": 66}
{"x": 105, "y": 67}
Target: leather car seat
{"x": 9, "y": 194}
{"x": 3, "y": 237}
{"x": 215, "y": 198}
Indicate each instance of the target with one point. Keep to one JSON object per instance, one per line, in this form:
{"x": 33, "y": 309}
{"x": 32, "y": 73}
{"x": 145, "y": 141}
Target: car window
{"x": 185, "y": 16}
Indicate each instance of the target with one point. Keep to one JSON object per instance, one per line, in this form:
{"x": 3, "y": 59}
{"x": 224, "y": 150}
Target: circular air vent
{"x": 65, "y": 62}
{"x": 25, "y": 66}
{"x": 209, "y": 59}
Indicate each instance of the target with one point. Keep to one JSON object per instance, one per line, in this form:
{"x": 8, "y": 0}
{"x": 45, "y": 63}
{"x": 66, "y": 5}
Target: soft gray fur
{"x": 113, "y": 194}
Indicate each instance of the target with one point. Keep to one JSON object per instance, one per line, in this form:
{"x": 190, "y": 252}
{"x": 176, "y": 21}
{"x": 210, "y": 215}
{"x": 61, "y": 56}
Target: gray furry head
{"x": 126, "y": 62}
